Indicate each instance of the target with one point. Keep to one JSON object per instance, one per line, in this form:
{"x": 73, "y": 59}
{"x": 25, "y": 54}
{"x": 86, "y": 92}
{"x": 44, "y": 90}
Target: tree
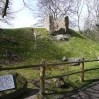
{"x": 5, "y": 11}
{"x": 92, "y": 13}
{"x": 57, "y": 8}
{"x": 78, "y": 10}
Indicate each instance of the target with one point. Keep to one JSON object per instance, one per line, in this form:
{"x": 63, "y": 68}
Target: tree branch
{"x": 5, "y": 8}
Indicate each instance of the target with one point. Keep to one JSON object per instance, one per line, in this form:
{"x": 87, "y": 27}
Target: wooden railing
{"x": 42, "y": 71}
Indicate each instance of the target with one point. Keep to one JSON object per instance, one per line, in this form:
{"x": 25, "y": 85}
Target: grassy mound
{"x": 46, "y": 47}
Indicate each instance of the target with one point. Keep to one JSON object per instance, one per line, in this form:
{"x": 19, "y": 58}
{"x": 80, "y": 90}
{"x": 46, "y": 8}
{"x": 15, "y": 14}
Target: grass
{"x": 77, "y": 46}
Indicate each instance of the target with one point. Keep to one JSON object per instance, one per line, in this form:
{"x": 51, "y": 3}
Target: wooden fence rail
{"x": 68, "y": 74}
{"x": 42, "y": 71}
{"x": 41, "y": 65}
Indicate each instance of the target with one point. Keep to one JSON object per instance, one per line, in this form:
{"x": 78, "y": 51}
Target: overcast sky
{"x": 23, "y": 18}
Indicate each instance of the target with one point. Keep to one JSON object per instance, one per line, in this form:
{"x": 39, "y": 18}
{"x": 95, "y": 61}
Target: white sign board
{"x": 6, "y": 82}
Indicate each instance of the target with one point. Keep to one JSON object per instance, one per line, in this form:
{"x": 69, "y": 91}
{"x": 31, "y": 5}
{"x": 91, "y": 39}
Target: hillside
{"x": 17, "y": 49}
{"x": 21, "y": 42}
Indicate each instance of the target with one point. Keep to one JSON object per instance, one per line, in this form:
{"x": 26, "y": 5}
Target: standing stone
{"x": 67, "y": 23}
{"x": 60, "y": 26}
{"x": 49, "y": 23}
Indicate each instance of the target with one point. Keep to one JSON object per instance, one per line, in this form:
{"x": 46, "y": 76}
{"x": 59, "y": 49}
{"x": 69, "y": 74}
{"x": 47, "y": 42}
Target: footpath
{"x": 89, "y": 92}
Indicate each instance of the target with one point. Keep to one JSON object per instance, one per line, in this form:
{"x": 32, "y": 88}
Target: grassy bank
{"x": 51, "y": 50}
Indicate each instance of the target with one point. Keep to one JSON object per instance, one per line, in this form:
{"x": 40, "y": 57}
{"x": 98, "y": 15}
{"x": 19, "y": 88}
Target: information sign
{"x": 6, "y": 82}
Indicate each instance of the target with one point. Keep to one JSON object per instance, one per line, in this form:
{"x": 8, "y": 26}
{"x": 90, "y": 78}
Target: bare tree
{"x": 71, "y": 8}
{"x": 57, "y": 8}
{"x": 92, "y": 13}
{"x": 78, "y": 11}
{"x": 5, "y": 11}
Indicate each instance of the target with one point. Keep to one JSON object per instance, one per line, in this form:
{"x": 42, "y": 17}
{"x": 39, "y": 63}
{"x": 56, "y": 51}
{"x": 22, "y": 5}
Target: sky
{"x": 23, "y": 18}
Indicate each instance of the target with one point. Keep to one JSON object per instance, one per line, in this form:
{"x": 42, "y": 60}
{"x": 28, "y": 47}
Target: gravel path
{"x": 89, "y": 92}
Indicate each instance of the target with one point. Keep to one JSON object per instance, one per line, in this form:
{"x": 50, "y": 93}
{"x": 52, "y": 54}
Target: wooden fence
{"x": 42, "y": 71}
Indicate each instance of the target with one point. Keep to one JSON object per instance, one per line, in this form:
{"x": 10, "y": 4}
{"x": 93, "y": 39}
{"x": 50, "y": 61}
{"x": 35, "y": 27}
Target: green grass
{"x": 77, "y": 46}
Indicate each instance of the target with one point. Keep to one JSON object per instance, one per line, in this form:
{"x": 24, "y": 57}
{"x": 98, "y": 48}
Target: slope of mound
{"x": 19, "y": 46}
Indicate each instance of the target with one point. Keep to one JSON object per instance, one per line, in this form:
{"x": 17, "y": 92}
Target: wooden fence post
{"x": 42, "y": 74}
{"x": 82, "y": 69}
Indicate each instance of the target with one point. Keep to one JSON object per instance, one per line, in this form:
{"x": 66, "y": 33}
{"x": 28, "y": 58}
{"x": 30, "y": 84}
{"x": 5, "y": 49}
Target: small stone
{"x": 59, "y": 82}
{"x": 74, "y": 60}
{"x": 64, "y": 58}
